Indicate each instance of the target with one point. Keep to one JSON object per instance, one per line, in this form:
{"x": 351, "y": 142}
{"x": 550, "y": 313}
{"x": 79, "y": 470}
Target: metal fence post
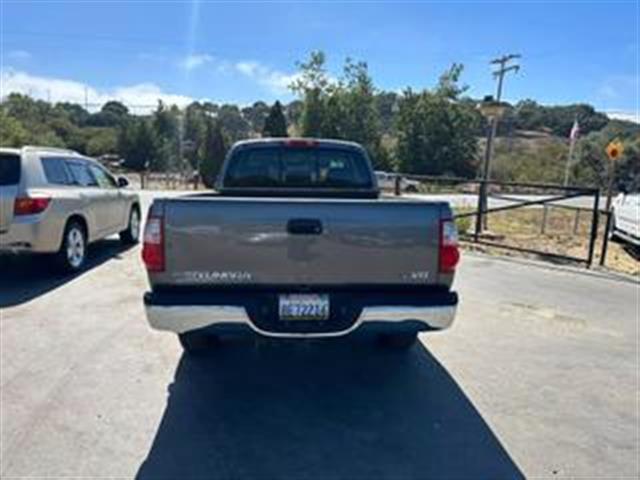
{"x": 576, "y": 222}
{"x": 545, "y": 214}
{"x": 396, "y": 186}
{"x": 605, "y": 240}
{"x": 594, "y": 227}
{"x": 481, "y": 195}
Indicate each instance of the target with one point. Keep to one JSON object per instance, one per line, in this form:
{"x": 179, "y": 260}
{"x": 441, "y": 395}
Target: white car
{"x": 626, "y": 218}
{"x": 387, "y": 181}
{"x": 55, "y": 201}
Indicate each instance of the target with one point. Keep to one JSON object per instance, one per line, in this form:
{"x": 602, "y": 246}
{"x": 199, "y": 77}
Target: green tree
{"x": 313, "y": 86}
{"x": 102, "y": 141}
{"x": 193, "y": 131}
{"x": 386, "y": 104}
{"x": 112, "y": 114}
{"x": 74, "y": 112}
{"x": 137, "y": 144}
{"x": 360, "y": 120}
{"x": 12, "y": 132}
{"x": 233, "y": 123}
{"x": 256, "y": 115}
{"x": 166, "y": 135}
{"x": 275, "y": 124}
{"x": 212, "y": 152}
{"x": 435, "y": 134}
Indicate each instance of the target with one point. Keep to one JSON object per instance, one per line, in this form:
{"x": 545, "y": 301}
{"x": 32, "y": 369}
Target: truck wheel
{"x": 73, "y": 252}
{"x": 398, "y": 341}
{"x": 411, "y": 189}
{"x": 196, "y": 343}
{"x": 131, "y": 235}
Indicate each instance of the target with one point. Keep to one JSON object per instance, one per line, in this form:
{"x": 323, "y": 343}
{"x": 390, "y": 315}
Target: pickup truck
{"x": 296, "y": 243}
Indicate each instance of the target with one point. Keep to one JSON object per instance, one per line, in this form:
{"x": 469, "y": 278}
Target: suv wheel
{"x": 196, "y": 343}
{"x": 398, "y": 341}
{"x": 131, "y": 235}
{"x": 73, "y": 251}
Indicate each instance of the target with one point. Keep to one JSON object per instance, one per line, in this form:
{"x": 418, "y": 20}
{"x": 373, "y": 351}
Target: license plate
{"x": 304, "y": 307}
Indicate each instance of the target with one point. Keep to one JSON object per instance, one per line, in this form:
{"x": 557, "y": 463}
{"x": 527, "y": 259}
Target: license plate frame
{"x": 303, "y": 307}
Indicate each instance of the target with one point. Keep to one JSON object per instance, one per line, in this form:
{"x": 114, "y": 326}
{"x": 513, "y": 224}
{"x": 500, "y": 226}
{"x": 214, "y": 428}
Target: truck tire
{"x": 72, "y": 255}
{"x": 196, "y": 343}
{"x": 398, "y": 341}
{"x": 131, "y": 235}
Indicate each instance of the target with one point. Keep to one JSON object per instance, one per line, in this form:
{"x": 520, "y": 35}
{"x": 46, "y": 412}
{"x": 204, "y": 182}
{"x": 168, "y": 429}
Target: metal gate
{"x": 536, "y": 198}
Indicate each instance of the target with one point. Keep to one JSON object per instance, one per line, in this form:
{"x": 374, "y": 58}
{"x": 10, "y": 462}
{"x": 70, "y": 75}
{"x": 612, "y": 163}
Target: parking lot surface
{"x": 538, "y": 378}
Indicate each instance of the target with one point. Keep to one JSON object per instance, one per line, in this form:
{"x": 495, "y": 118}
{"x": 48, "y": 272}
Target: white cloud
{"x": 195, "y": 60}
{"x": 621, "y": 115}
{"x": 19, "y": 55}
{"x": 140, "y": 98}
{"x": 275, "y": 81}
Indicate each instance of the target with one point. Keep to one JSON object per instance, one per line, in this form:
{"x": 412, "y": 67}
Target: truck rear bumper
{"x": 435, "y": 313}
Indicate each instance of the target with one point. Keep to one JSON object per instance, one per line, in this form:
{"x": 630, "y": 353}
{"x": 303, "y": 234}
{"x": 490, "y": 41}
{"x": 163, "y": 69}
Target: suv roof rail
{"x": 50, "y": 149}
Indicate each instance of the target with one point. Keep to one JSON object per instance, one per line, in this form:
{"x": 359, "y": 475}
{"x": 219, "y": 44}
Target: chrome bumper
{"x": 184, "y": 318}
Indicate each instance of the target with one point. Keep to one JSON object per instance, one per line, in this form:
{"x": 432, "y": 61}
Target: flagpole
{"x": 573, "y": 136}
{"x": 569, "y": 158}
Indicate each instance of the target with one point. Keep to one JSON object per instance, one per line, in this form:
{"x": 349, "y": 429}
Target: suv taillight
{"x": 449, "y": 253}
{"x": 30, "y": 205}
{"x": 153, "y": 246}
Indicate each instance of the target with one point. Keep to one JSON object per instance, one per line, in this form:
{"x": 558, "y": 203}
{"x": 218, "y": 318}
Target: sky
{"x": 244, "y": 51}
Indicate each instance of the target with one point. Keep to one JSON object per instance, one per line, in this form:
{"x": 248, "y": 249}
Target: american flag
{"x": 575, "y": 131}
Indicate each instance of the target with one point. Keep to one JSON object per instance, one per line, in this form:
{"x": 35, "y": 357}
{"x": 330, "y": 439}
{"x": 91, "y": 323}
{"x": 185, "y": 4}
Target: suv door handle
{"x": 304, "y": 226}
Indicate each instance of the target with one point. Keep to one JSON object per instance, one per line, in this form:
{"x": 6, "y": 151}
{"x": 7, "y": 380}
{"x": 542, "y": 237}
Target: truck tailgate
{"x": 218, "y": 240}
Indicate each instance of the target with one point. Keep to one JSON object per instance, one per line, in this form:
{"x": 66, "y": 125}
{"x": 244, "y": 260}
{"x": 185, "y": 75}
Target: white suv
{"x": 58, "y": 201}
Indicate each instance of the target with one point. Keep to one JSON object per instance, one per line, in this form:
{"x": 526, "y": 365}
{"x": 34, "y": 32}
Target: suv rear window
{"x": 298, "y": 168}
{"x": 9, "y": 169}
{"x": 55, "y": 170}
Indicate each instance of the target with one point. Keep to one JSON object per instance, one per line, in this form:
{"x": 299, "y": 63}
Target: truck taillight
{"x": 30, "y": 205}
{"x": 449, "y": 253}
{"x": 153, "y": 246}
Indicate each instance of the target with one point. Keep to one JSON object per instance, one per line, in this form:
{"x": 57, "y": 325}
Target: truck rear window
{"x": 298, "y": 168}
{"x": 9, "y": 169}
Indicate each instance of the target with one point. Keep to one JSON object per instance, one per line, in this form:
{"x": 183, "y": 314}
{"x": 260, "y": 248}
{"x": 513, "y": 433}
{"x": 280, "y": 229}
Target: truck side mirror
{"x": 123, "y": 182}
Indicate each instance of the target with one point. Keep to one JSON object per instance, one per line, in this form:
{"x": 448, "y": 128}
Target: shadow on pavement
{"x": 24, "y": 277}
{"x": 338, "y": 409}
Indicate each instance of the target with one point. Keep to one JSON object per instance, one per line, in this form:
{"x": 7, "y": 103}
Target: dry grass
{"x": 564, "y": 234}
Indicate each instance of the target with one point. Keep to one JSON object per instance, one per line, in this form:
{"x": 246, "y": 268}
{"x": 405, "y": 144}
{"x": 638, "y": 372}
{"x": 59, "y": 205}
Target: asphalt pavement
{"x": 537, "y": 378}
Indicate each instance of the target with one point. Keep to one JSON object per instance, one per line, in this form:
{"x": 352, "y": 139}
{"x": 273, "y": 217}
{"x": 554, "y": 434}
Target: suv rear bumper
{"x": 181, "y": 313}
{"x": 32, "y": 233}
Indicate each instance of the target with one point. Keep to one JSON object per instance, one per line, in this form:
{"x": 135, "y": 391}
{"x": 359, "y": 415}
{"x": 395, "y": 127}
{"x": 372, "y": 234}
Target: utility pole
{"x": 503, "y": 68}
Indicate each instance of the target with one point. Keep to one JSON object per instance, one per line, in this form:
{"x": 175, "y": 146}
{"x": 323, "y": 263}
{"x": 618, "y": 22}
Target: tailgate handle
{"x": 304, "y": 226}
